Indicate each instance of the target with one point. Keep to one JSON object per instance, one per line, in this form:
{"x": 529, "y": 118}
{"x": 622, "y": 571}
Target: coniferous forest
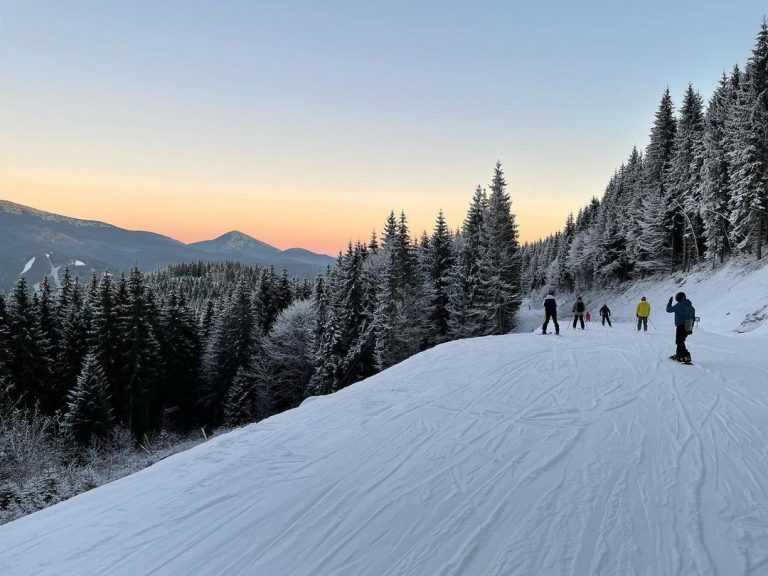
{"x": 139, "y": 359}
{"x": 698, "y": 193}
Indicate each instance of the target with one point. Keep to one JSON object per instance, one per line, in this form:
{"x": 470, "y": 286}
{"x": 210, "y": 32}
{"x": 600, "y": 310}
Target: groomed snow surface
{"x": 587, "y": 454}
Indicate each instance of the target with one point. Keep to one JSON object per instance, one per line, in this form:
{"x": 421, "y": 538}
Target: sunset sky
{"x": 304, "y": 123}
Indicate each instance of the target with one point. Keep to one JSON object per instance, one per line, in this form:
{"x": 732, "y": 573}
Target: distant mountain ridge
{"x": 35, "y": 243}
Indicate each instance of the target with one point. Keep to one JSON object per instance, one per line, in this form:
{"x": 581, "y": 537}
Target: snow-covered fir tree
{"x": 89, "y": 410}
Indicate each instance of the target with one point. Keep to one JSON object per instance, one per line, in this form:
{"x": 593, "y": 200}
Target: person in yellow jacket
{"x": 642, "y": 312}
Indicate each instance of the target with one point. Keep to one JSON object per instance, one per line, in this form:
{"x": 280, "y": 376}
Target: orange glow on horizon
{"x": 316, "y": 221}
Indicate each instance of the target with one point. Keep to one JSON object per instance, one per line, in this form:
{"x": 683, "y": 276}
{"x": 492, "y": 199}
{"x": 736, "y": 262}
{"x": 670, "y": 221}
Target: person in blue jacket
{"x": 685, "y": 314}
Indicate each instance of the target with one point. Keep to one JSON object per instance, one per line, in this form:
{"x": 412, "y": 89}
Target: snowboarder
{"x": 642, "y": 312}
{"x": 550, "y": 311}
{"x": 578, "y": 312}
{"x": 605, "y": 313}
{"x": 685, "y": 314}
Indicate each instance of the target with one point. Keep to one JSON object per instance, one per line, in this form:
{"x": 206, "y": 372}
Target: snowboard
{"x": 674, "y": 359}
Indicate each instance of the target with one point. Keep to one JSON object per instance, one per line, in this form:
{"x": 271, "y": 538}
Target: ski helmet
{"x": 680, "y": 296}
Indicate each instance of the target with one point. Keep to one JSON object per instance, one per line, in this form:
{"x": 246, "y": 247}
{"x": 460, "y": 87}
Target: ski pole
{"x": 654, "y": 327}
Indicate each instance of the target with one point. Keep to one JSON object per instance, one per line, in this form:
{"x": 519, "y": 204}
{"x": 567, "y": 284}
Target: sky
{"x": 304, "y": 123}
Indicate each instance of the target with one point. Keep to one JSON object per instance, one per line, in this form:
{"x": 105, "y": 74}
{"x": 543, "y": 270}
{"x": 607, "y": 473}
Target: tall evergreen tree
{"x": 140, "y": 362}
{"x": 685, "y": 178}
{"x": 749, "y": 155}
{"x": 30, "y": 366}
{"x": 465, "y": 317}
{"x": 499, "y": 266}
{"x": 439, "y": 268}
{"x": 233, "y": 343}
{"x": 180, "y": 347}
{"x": 89, "y": 412}
{"x": 716, "y": 184}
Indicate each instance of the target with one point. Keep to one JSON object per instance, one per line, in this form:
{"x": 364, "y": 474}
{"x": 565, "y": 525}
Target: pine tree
{"x": 439, "y": 267}
{"x": 233, "y": 343}
{"x": 75, "y": 320}
{"x": 749, "y": 155}
{"x": 6, "y": 388}
{"x": 716, "y": 185}
{"x": 242, "y": 403}
{"x": 685, "y": 184}
{"x": 498, "y": 271}
{"x": 30, "y": 366}
{"x": 140, "y": 360}
{"x": 180, "y": 348}
{"x": 105, "y": 339}
{"x": 89, "y": 412}
{"x": 465, "y": 316}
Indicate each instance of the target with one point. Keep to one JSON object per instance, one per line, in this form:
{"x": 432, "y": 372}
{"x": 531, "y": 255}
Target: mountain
{"x": 37, "y": 244}
{"x": 244, "y": 247}
{"x": 585, "y": 454}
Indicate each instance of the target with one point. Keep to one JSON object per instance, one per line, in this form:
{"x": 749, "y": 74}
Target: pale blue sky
{"x": 310, "y": 120}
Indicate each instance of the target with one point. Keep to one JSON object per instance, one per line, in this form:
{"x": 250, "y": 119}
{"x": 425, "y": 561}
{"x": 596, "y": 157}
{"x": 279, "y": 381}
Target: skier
{"x": 550, "y": 311}
{"x": 685, "y": 314}
{"x": 588, "y": 317}
{"x": 578, "y": 312}
{"x": 642, "y": 312}
{"x": 605, "y": 312}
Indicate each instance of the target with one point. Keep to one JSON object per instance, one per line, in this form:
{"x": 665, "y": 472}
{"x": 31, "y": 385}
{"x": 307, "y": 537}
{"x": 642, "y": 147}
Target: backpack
{"x": 579, "y": 306}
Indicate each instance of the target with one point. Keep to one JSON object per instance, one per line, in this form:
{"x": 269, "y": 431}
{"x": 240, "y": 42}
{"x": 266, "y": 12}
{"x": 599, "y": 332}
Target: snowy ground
{"x": 587, "y": 454}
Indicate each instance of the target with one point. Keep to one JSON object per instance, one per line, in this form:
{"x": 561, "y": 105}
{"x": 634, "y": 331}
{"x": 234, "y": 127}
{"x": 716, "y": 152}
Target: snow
{"x": 585, "y": 454}
{"x": 28, "y": 265}
{"x": 79, "y": 263}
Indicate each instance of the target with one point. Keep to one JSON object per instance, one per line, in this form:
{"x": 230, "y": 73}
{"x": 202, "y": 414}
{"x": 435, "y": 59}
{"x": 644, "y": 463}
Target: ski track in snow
{"x": 589, "y": 454}
{"x": 28, "y": 265}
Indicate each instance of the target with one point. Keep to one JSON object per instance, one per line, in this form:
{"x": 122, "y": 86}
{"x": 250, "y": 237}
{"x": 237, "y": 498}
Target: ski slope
{"x": 586, "y": 454}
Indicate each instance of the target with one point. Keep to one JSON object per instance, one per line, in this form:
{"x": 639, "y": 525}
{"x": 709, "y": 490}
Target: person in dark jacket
{"x": 550, "y": 311}
{"x": 578, "y": 310}
{"x": 605, "y": 313}
{"x": 685, "y": 314}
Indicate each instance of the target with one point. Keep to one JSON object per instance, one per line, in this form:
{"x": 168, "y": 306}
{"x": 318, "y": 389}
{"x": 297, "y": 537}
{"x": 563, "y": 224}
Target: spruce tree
{"x": 89, "y": 412}
{"x": 6, "y": 388}
{"x": 30, "y": 366}
{"x": 749, "y": 155}
{"x": 464, "y": 313}
{"x": 716, "y": 184}
{"x": 75, "y": 322}
{"x": 499, "y": 267}
{"x": 180, "y": 348}
{"x": 439, "y": 268}
{"x": 140, "y": 360}
{"x": 685, "y": 182}
{"x": 233, "y": 343}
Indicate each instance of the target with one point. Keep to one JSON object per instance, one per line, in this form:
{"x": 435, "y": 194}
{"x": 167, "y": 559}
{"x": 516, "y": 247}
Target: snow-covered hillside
{"x": 587, "y": 454}
{"x": 731, "y": 298}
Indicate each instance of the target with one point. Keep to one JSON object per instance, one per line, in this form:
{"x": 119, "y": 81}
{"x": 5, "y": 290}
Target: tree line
{"x": 211, "y": 344}
{"x": 698, "y": 193}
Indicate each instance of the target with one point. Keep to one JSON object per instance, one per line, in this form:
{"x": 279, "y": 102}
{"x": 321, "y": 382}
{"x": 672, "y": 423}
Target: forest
{"x": 697, "y": 193}
{"x": 140, "y": 358}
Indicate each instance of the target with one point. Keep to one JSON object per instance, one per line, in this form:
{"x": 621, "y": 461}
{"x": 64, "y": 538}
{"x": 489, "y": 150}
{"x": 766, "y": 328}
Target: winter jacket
{"x": 576, "y": 310}
{"x": 683, "y": 310}
{"x": 550, "y": 304}
{"x": 605, "y": 311}
{"x": 643, "y": 309}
